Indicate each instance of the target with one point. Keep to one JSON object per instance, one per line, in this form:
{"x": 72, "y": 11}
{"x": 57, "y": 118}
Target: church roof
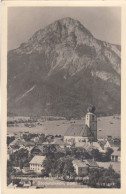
{"x": 79, "y": 130}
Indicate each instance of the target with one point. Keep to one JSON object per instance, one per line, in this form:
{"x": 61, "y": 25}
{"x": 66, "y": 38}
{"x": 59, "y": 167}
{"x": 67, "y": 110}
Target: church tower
{"x": 91, "y": 121}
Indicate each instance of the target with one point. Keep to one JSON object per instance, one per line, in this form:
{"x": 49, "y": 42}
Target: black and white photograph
{"x": 63, "y": 97}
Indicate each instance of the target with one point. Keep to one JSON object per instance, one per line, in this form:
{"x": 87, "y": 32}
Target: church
{"x": 86, "y": 132}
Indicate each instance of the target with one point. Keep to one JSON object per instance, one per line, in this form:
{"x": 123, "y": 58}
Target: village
{"x": 76, "y": 159}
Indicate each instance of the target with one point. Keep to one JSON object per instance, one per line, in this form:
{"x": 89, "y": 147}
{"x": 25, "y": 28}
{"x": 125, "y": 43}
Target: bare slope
{"x": 61, "y": 69}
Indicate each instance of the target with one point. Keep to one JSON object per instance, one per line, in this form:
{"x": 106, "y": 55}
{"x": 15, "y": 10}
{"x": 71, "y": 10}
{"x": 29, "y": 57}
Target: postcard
{"x": 63, "y": 96}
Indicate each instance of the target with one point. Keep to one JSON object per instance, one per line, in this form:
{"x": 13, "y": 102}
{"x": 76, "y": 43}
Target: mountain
{"x": 62, "y": 69}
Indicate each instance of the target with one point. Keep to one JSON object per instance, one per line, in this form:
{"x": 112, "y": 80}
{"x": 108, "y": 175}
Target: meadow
{"x": 109, "y": 125}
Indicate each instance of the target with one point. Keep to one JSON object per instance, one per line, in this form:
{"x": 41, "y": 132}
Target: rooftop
{"x": 37, "y": 160}
{"x": 91, "y": 163}
{"x": 116, "y": 153}
{"x": 80, "y": 144}
{"x": 102, "y": 143}
{"x": 17, "y": 141}
{"x": 114, "y": 143}
{"x": 79, "y": 163}
{"x": 58, "y": 142}
{"x": 29, "y": 143}
{"x": 81, "y": 130}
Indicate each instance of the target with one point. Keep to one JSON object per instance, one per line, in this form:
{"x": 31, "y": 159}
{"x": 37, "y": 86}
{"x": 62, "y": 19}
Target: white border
{"x": 5, "y": 5}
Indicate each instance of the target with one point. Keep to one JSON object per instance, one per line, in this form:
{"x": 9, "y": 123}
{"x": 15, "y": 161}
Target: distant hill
{"x": 62, "y": 69}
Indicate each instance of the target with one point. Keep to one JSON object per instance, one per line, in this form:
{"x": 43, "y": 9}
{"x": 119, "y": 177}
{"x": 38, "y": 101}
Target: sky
{"x": 103, "y": 22}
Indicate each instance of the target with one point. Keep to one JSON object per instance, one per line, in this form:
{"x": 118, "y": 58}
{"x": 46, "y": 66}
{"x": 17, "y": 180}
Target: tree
{"x": 101, "y": 178}
{"x": 49, "y": 165}
{"x": 44, "y": 173}
{"x": 68, "y": 169}
{"x": 108, "y": 153}
{"x": 10, "y": 139}
{"x": 10, "y": 171}
{"x": 20, "y": 164}
{"x": 95, "y": 154}
{"x": 42, "y": 138}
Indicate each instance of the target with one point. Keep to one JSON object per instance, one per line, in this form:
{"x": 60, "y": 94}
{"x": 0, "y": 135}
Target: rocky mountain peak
{"x": 66, "y": 30}
{"x": 64, "y": 62}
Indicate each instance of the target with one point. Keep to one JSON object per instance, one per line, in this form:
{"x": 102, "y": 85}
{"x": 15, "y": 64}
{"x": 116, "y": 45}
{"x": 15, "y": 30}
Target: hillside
{"x": 62, "y": 69}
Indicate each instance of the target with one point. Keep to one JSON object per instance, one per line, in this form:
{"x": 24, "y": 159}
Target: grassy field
{"x": 107, "y": 125}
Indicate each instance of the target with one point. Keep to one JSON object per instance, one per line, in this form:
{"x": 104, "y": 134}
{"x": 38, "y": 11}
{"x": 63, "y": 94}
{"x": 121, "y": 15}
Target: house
{"x": 29, "y": 146}
{"x": 86, "y": 132}
{"x": 116, "y": 156}
{"x": 26, "y": 170}
{"x": 58, "y": 142}
{"x": 91, "y": 163}
{"x": 37, "y": 150}
{"x": 17, "y": 142}
{"x": 36, "y": 164}
{"x": 114, "y": 145}
{"x": 99, "y": 146}
{"x": 102, "y": 142}
{"x": 90, "y": 145}
{"x": 80, "y": 167}
{"x": 40, "y": 149}
{"x": 85, "y": 145}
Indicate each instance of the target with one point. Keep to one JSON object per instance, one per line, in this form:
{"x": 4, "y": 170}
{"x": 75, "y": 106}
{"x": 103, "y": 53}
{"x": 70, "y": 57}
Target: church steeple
{"x": 91, "y": 121}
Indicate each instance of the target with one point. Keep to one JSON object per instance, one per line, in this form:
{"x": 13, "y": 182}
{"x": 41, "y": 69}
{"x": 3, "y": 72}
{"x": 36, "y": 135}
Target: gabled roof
{"x": 91, "y": 163}
{"x": 37, "y": 160}
{"x": 79, "y": 163}
{"x": 102, "y": 143}
{"x": 38, "y": 147}
{"x": 79, "y": 130}
{"x": 98, "y": 145}
{"x": 116, "y": 153}
{"x": 17, "y": 142}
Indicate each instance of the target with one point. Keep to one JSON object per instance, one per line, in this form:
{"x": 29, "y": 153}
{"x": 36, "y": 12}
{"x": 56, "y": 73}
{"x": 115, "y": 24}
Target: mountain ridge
{"x": 55, "y": 57}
